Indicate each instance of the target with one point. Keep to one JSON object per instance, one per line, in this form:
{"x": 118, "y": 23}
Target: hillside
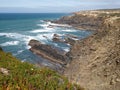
{"x": 95, "y": 61}
{"x": 17, "y": 75}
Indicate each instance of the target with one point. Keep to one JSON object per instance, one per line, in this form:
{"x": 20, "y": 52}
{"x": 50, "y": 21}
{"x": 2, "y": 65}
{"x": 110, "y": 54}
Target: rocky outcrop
{"x": 81, "y": 21}
{"x": 95, "y": 61}
{"x": 57, "y": 38}
{"x": 49, "y": 52}
{"x": 68, "y": 39}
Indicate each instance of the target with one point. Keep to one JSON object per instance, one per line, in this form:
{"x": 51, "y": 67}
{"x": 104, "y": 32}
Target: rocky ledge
{"x": 49, "y": 52}
{"x": 69, "y": 39}
{"x": 52, "y": 53}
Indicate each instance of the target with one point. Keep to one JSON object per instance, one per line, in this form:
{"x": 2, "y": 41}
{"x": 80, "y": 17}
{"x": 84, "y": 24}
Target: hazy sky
{"x": 39, "y": 6}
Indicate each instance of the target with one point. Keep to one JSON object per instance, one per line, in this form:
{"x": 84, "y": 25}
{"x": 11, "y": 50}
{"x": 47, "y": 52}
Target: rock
{"x": 69, "y": 39}
{"x": 34, "y": 43}
{"x": 95, "y": 63}
{"x": 72, "y": 36}
{"x": 4, "y": 71}
{"x": 80, "y": 21}
{"x": 57, "y": 38}
{"x": 49, "y": 52}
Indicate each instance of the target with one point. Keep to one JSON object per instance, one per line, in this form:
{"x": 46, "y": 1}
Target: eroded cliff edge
{"x": 95, "y": 61}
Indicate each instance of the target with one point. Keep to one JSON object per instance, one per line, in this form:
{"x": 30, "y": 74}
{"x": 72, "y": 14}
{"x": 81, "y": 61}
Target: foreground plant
{"x": 25, "y": 76}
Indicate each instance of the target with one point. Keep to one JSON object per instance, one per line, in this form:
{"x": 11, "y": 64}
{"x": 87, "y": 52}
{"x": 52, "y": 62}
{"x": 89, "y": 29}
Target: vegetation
{"x": 25, "y": 76}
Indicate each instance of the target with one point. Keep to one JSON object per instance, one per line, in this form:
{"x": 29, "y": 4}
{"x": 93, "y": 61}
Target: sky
{"x": 55, "y": 6}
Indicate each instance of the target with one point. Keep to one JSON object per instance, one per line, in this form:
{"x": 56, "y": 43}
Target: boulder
{"x": 4, "y": 71}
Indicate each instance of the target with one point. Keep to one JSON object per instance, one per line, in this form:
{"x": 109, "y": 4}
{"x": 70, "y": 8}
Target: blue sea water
{"x": 17, "y": 29}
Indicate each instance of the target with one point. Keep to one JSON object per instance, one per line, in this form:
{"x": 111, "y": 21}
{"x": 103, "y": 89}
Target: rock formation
{"x": 95, "y": 61}
{"x": 68, "y": 39}
{"x": 49, "y": 52}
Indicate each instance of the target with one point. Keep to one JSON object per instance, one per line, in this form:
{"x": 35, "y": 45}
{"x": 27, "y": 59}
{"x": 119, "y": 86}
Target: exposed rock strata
{"x": 81, "y": 21}
{"x": 96, "y": 59}
{"x": 49, "y": 52}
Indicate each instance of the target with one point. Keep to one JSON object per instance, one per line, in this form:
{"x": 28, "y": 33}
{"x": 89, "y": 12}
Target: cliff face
{"x": 80, "y": 21}
{"x": 95, "y": 61}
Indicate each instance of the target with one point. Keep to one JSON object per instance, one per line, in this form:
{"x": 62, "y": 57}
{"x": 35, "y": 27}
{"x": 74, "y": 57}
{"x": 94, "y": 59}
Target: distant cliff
{"x": 87, "y": 20}
{"x": 95, "y": 61}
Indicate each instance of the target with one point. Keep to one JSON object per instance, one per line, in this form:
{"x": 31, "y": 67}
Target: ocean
{"x": 17, "y": 29}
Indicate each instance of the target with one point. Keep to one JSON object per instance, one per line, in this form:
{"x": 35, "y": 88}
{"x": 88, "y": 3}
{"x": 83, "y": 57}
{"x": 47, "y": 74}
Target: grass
{"x": 25, "y": 76}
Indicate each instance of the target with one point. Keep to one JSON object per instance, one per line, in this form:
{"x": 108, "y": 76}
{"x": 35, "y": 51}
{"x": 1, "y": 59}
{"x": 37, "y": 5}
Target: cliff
{"x": 95, "y": 61}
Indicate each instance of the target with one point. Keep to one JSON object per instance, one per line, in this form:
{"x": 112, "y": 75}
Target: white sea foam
{"x": 12, "y": 35}
{"x": 10, "y": 43}
{"x": 28, "y": 47}
{"x": 20, "y": 51}
{"x": 41, "y": 30}
{"x": 59, "y": 25}
{"x": 46, "y": 24}
{"x": 42, "y": 21}
{"x": 66, "y": 49}
{"x": 69, "y": 30}
{"x": 16, "y": 36}
{"x": 45, "y": 36}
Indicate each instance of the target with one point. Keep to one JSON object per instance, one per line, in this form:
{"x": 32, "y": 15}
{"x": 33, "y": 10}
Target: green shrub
{"x": 25, "y": 76}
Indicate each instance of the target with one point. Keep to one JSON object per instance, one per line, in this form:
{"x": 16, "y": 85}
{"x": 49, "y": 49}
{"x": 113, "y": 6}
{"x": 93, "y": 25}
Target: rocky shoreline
{"x": 95, "y": 60}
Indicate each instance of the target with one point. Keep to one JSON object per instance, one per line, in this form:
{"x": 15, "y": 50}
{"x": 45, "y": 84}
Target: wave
{"x": 45, "y": 36}
{"x": 45, "y": 28}
{"x": 66, "y": 49}
{"x": 45, "y": 24}
{"x": 12, "y": 35}
{"x": 69, "y": 30}
{"x": 42, "y": 30}
{"x": 11, "y": 43}
{"x": 59, "y": 25}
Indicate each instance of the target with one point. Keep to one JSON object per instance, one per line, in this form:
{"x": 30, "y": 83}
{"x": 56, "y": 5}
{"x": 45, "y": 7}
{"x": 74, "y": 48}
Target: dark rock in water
{"x": 49, "y": 52}
{"x": 50, "y": 26}
{"x": 72, "y": 36}
{"x": 57, "y": 38}
{"x": 69, "y": 39}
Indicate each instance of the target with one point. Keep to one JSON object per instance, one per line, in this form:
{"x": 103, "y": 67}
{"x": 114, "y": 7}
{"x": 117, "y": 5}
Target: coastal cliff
{"x": 95, "y": 61}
